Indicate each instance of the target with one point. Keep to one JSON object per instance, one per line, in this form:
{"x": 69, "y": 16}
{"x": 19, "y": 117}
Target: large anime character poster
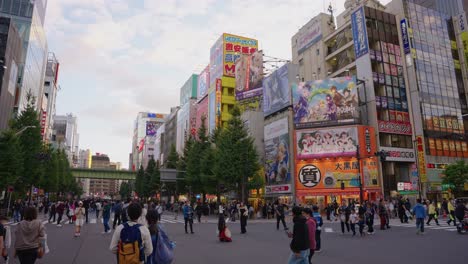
{"x": 325, "y": 102}
{"x": 277, "y": 165}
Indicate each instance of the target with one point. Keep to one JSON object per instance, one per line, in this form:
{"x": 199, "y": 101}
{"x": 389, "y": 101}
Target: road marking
{"x": 328, "y": 230}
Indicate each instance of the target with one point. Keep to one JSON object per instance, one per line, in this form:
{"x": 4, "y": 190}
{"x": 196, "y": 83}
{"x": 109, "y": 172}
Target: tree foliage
{"x": 11, "y": 160}
{"x": 456, "y": 174}
{"x": 125, "y": 190}
{"x": 152, "y": 179}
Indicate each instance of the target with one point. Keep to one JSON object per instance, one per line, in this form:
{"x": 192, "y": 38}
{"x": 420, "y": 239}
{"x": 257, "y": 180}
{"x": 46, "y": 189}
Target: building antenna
{"x": 330, "y": 10}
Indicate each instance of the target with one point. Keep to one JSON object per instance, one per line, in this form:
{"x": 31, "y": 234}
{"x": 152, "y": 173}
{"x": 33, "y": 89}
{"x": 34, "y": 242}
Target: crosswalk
{"x": 433, "y": 226}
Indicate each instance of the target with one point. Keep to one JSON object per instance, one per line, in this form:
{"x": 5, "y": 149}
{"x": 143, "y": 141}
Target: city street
{"x": 263, "y": 244}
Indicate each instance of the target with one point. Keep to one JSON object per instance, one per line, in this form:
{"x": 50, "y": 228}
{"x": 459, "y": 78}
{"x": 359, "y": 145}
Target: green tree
{"x": 125, "y": 190}
{"x": 152, "y": 178}
{"x": 140, "y": 182}
{"x": 182, "y": 166}
{"x": 50, "y": 179}
{"x": 11, "y": 160}
{"x": 173, "y": 158}
{"x": 236, "y": 148}
{"x": 456, "y": 175}
{"x": 30, "y": 143}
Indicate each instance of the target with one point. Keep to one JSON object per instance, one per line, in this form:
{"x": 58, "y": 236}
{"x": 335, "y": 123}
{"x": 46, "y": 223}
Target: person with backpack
{"x": 131, "y": 242}
{"x": 162, "y": 246}
{"x": 318, "y": 231}
{"x": 117, "y": 214}
{"x": 188, "y": 216}
{"x": 106, "y": 213}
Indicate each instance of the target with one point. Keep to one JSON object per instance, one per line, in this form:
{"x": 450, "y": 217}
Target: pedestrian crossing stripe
{"x": 447, "y": 228}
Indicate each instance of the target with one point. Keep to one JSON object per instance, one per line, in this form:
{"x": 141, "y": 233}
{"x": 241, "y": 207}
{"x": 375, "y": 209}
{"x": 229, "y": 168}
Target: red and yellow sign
{"x": 367, "y": 141}
{"x": 421, "y": 159}
{"x": 326, "y": 175}
{"x": 233, "y": 47}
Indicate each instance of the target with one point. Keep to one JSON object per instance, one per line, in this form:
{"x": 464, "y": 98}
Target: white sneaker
{"x": 59, "y": 225}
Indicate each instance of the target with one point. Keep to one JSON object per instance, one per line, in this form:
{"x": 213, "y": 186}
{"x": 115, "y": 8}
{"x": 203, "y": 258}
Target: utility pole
{"x": 361, "y": 196}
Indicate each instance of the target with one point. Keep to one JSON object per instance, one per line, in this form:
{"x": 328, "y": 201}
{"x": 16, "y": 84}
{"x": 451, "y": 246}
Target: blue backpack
{"x": 163, "y": 249}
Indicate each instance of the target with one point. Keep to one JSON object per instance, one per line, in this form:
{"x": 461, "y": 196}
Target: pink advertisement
{"x": 202, "y": 110}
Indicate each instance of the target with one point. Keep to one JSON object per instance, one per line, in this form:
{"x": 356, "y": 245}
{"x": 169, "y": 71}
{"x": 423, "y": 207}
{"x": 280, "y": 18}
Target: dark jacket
{"x": 300, "y": 240}
{"x": 460, "y": 211}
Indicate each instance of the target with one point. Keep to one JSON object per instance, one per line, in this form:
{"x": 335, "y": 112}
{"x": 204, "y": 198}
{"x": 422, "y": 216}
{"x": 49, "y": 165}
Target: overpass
{"x": 167, "y": 175}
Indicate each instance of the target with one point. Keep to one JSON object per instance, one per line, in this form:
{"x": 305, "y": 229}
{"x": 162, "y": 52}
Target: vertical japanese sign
{"x": 358, "y": 24}
{"x": 219, "y": 87}
{"x": 405, "y": 36}
{"x": 233, "y": 47}
{"x": 421, "y": 159}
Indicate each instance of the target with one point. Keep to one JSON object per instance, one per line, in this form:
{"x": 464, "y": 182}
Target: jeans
{"x": 116, "y": 220}
{"x": 190, "y": 221}
{"x": 17, "y": 215}
{"x": 353, "y": 228}
{"x": 27, "y": 256}
{"x": 278, "y": 219}
{"x": 59, "y": 218}
{"x": 303, "y": 258}
{"x": 420, "y": 224}
{"x": 318, "y": 239}
{"x": 343, "y": 225}
{"x": 106, "y": 223}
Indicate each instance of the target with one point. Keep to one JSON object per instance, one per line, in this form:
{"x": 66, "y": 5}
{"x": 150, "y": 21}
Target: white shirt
{"x": 221, "y": 209}
{"x": 98, "y": 206}
{"x": 145, "y": 237}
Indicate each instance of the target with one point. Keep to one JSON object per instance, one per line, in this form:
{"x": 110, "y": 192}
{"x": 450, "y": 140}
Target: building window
{"x": 301, "y": 62}
{"x": 317, "y": 52}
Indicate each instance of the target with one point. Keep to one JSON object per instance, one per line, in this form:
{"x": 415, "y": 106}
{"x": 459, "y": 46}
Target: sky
{"x": 121, "y": 57}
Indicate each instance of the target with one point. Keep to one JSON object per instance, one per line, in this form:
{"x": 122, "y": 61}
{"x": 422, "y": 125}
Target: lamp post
{"x": 19, "y": 132}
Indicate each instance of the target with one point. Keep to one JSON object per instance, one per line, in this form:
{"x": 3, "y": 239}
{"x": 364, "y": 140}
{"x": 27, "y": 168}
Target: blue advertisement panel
{"x": 212, "y": 110}
{"x": 216, "y": 61}
{"x": 326, "y": 102}
{"x": 404, "y": 36}
{"x": 276, "y": 92}
{"x": 358, "y": 24}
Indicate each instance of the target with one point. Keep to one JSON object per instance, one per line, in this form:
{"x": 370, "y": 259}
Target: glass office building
{"x": 28, "y": 17}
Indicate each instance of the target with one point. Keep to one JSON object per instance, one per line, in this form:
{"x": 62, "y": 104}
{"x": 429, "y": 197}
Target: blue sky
{"x": 119, "y": 57}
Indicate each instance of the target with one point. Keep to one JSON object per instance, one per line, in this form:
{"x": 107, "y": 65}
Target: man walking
{"x": 86, "y": 207}
{"x": 432, "y": 213}
{"x": 188, "y": 216}
{"x": 52, "y": 213}
{"x": 420, "y": 214}
{"x": 318, "y": 231}
{"x": 451, "y": 213}
{"x": 117, "y": 214}
{"x": 300, "y": 244}
{"x": 98, "y": 209}
{"x": 60, "y": 210}
{"x": 106, "y": 212}
{"x": 175, "y": 207}
{"x": 280, "y": 212}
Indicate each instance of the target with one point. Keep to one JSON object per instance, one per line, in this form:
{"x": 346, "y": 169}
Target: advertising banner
{"x": 212, "y": 111}
{"x": 328, "y": 174}
{"x": 273, "y": 189}
{"x": 249, "y": 76}
{"x": 325, "y": 143}
{"x": 276, "y": 92}
{"x": 367, "y": 141}
{"x": 421, "y": 159}
{"x": 202, "y": 111}
{"x": 405, "y": 36}
{"x": 358, "y": 25}
{"x": 393, "y": 127}
{"x": 399, "y": 154}
{"x": 151, "y": 128}
{"x": 277, "y": 166}
{"x": 203, "y": 82}
{"x": 141, "y": 145}
{"x": 251, "y": 104}
{"x": 325, "y": 102}
{"x": 219, "y": 88}
{"x": 311, "y": 35}
{"x": 233, "y": 47}
{"x": 216, "y": 61}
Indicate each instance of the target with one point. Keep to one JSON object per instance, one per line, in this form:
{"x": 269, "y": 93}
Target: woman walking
{"x": 243, "y": 214}
{"x": 30, "y": 237}
{"x": 80, "y": 214}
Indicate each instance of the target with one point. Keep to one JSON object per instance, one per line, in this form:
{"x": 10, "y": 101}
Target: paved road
{"x": 263, "y": 244}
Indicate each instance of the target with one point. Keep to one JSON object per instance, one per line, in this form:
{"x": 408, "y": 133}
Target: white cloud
{"x": 118, "y": 59}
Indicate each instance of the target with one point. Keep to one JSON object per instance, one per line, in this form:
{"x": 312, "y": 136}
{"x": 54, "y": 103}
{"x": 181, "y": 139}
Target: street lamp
{"x": 23, "y": 129}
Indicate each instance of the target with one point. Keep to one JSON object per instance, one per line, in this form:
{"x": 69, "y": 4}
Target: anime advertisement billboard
{"x": 277, "y": 160}
{"x": 324, "y": 143}
{"x": 276, "y": 92}
{"x": 325, "y": 102}
{"x": 249, "y": 76}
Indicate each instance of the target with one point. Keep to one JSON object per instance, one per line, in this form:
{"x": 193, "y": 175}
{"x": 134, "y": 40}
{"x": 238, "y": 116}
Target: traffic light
{"x": 342, "y": 185}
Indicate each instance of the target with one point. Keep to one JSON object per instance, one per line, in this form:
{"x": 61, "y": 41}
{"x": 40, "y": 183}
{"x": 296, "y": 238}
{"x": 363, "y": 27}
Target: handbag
{"x": 164, "y": 248}
{"x": 40, "y": 251}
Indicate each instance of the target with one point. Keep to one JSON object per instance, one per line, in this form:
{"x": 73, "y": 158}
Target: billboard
{"x": 325, "y": 102}
{"x": 249, "y": 76}
{"x": 276, "y": 92}
{"x": 327, "y": 175}
{"x": 324, "y": 143}
{"x": 405, "y": 36}
{"x": 203, "y": 83}
{"x": 358, "y": 25}
{"x": 277, "y": 161}
{"x": 152, "y": 127}
{"x": 251, "y": 104}
{"x": 216, "y": 61}
{"x": 202, "y": 111}
{"x": 233, "y": 47}
{"x": 395, "y": 127}
{"x": 310, "y": 36}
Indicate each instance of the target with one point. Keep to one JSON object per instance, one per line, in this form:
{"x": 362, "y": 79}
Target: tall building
{"x": 28, "y": 17}
{"x": 84, "y": 162}
{"x": 186, "y": 119}
{"x": 435, "y": 49}
{"x": 308, "y": 47}
{"x": 11, "y": 55}
{"x": 202, "y": 98}
{"x": 50, "y": 96}
{"x": 169, "y": 138}
{"x": 66, "y": 136}
{"x": 221, "y": 89}
{"x": 103, "y": 187}
{"x": 144, "y": 135}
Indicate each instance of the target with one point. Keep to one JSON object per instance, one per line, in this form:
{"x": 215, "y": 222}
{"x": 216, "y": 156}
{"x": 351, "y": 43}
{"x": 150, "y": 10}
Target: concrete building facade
{"x": 50, "y": 97}
{"x": 66, "y": 136}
